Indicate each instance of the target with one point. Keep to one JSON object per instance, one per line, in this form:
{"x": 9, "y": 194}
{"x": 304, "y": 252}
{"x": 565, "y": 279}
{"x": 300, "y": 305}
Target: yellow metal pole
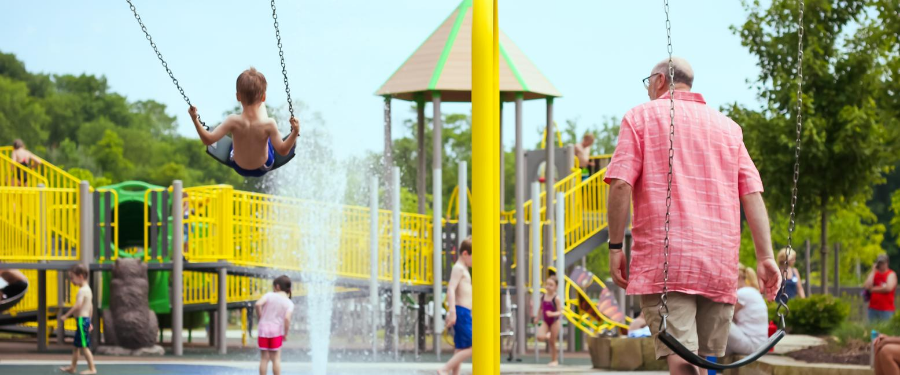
{"x": 486, "y": 189}
{"x": 244, "y": 327}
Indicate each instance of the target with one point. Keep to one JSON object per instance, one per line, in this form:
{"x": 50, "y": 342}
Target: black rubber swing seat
{"x": 10, "y": 302}
{"x": 221, "y": 151}
{"x": 699, "y": 361}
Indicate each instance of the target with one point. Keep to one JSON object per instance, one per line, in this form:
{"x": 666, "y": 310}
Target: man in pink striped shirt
{"x": 712, "y": 177}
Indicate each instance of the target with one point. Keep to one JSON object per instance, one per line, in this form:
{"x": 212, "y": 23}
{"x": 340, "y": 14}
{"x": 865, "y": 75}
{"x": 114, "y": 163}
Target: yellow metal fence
{"x": 51, "y": 175}
{"x": 261, "y": 230}
{"x": 38, "y": 224}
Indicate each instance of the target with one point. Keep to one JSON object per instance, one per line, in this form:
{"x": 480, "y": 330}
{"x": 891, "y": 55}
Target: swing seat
{"x": 221, "y": 151}
{"x": 701, "y": 362}
{"x": 10, "y": 302}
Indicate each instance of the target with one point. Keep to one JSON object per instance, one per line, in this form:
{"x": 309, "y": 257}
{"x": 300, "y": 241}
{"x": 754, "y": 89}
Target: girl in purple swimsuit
{"x": 550, "y": 324}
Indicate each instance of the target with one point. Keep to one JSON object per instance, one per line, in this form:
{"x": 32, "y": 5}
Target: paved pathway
{"x": 248, "y": 368}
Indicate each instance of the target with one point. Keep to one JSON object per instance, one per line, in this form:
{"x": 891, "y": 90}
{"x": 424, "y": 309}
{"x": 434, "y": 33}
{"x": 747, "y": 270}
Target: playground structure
{"x": 235, "y": 241}
{"x": 135, "y": 220}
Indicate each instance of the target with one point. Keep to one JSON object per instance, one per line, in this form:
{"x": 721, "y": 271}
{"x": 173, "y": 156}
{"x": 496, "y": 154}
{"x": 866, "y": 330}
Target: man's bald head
{"x": 684, "y": 74}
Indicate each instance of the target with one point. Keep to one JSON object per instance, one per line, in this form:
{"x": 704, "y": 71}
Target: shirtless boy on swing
{"x": 255, "y": 135}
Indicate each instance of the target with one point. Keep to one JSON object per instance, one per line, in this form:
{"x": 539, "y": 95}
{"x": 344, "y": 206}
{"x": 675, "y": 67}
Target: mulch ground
{"x": 854, "y": 353}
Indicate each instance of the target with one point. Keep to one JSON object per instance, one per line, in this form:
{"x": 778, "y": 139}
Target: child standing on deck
{"x": 459, "y": 308}
{"x": 551, "y": 310}
{"x": 82, "y": 311}
{"x": 274, "y": 311}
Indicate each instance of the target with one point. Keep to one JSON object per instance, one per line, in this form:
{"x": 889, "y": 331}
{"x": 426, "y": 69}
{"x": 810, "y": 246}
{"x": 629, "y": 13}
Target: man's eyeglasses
{"x": 647, "y": 80}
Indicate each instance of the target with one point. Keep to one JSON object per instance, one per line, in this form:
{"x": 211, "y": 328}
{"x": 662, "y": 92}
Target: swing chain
{"x": 161, "y": 60}
{"x": 782, "y": 309}
{"x": 287, "y": 88}
{"x": 664, "y": 297}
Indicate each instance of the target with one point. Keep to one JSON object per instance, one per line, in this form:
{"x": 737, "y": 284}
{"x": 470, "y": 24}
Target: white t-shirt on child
{"x": 271, "y": 321}
{"x": 753, "y": 317}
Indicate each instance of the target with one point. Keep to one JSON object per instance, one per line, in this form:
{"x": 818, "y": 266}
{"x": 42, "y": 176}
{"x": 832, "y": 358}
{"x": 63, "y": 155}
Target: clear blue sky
{"x": 339, "y": 52}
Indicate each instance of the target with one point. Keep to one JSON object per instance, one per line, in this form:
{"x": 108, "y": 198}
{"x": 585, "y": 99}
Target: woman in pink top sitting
{"x": 274, "y": 311}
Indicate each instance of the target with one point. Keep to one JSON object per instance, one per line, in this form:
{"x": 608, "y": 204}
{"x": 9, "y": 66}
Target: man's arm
{"x": 455, "y": 277}
{"x": 758, "y": 220}
{"x": 207, "y": 137}
{"x": 283, "y": 147}
{"x": 618, "y": 206}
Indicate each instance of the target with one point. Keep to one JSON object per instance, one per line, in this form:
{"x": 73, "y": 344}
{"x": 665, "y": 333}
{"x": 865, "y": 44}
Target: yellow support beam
{"x": 485, "y": 188}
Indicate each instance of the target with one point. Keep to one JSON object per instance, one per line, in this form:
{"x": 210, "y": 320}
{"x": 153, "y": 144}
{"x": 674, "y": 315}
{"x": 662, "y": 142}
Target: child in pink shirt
{"x": 274, "y": 311}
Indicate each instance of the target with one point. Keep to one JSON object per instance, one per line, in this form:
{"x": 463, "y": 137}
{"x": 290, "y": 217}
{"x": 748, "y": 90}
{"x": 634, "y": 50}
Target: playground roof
{"x": 443, "y": 63}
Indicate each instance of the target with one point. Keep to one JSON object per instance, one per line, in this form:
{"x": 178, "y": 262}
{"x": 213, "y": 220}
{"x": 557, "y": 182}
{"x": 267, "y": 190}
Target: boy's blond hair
{"x": 251, "y": 86}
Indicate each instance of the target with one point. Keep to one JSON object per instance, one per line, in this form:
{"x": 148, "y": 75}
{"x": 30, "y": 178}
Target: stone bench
{"x": 624, "y": 354}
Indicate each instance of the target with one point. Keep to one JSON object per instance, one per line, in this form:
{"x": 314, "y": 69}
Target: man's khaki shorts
{"x": 700, "y": 324}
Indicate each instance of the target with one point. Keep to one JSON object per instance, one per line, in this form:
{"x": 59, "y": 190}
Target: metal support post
{"x": 535, "y": 258}
{"x": 222, "y": 323}
{"x": 463, "y": 199}
{"x": 373, "y": 262}
{"x": 177, "y": 268}
{"x": 521, "y": 251}
{"x": 395, "y": 270}
{"x": 560, "y": 255}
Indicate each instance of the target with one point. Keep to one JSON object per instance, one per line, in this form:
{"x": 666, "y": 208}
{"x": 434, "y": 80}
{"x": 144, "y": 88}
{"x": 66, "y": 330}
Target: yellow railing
{"x": 453, "y": 205}
{"x": 109, "y": 253}
{"x": 203, "y": 288}
{"x": 415, "y": 249}
{"x": 261, "y": 230}
{"x": 16, "y": 174}
{"x": 206, "y": 207}
{"x": 53, "y": 176}
{"x": 585, "y": 212}
{"x": 564, "y": 185}
{"x": 200, "y": 288}
{"x": 39, "y": 224}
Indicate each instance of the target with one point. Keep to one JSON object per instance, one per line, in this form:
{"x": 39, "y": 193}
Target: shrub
{"x": 816, "y": 315}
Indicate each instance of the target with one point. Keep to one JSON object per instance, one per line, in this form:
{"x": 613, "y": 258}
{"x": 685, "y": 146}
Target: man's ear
{"x": 264, "y": 97}
{"x": 663, "y": 83}
{"x": 237, "y": 96}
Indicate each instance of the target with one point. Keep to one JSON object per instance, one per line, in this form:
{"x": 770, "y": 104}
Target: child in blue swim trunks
{"x": 459, "y": 308}
{"x": 255, "y": 135}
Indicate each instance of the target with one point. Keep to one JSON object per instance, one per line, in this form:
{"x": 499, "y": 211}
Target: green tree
{"x": 86, "y": 175}
{"x": 854, "y": 226}
{"x": 108, "y": 152}
{"x": 21, "y": 116}
{"x": 849, "y": 135}
{"x": 895, "y": 221}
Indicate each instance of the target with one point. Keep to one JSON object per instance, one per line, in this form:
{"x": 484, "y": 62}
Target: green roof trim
{"x": 513, "y": 67}
{"x": 448, "y": 46}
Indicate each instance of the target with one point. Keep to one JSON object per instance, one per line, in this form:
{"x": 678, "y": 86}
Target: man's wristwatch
{"x": 615, "y": 246}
